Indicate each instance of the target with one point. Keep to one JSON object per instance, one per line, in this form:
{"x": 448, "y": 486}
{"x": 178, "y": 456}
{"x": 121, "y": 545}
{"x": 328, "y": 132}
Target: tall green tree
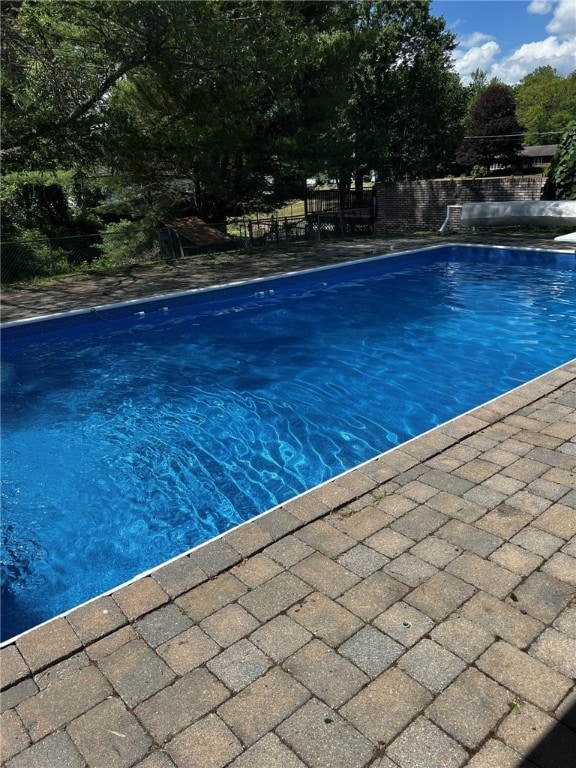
{"x": 405, "y": 102}
{"x": 545, "y": 105}
{"x": 216, "y": 106}
{"x": 477, "y": 85}
{"x": 206, "y": 124}
{"x": 493, "y": 134}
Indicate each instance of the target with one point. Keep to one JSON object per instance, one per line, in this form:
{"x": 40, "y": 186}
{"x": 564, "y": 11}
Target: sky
{"x": 509, "y": 39}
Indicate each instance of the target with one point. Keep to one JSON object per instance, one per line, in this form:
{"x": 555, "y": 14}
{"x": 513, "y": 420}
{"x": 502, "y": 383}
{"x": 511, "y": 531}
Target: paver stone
{"x": 325, "y": 673}
{"x": 423, "y": 745}
{"x": 280, "y": 637}
{"x": 395, "y": 697}
{"x": 14, "y": 736}
{"x": 373, "y": 595}
{"x": 55, "y": 751}
{"x": 275, "y": 596}
{"x": 209, "y": 743}
{"x": 440, "y": 595}
{"x": 261, "y": 706}
{"x": 13, "y": 668}
{"x": 502, "y": 619}
{"x": 47, "y": 644}
{"x": 320, "y": 737}
{"x": 325, "y": 619}
{"x": 239, "y": 665}
{"x": 188, "y": 650}
{"x": 136, "y": 672}
{"x": 431, "y": 664}
{"x": 470, "y": 708}
{"x": 526, "y": 676}
{"x": 539, "y": 737}
{"x": 60, "y": 703}
{"x": 109, "y": 735}
{"x": 269, "y": 752}
{"x": 178, "y": 706}
{"x": 372, "y": 651}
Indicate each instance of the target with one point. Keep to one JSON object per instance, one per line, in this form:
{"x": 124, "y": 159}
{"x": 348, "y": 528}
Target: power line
{"x": 514, "y": 135}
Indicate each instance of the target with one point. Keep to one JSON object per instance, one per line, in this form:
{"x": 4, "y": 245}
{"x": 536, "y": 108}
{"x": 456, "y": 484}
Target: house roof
{"x": 198, "y": 232}
{"x": 539, "y": 150}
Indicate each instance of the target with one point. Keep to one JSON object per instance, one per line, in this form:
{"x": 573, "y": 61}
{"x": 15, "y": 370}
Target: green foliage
{"x": 124, "y": 243}
{"x": 401, "y": 103}
{"x": 478, "y": 84}
{"x": 143, "y": 110}
{"x": 493, "y": 133}
{"x": 30, "y": 256}
{"x": 561, "y": 180}
{"x": 59, "y": 62}
{"x": 34, "y": 201}
{"x": 545, "y": 105}
{"x": 207, "y": 124}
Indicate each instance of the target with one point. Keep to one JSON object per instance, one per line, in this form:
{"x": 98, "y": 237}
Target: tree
{"x": 561, "y": 181}
{"x": 60, "y": 62}
{"x": 215, "y": 107}
{"x": 405, "y": 103}
{"x": 205, "y": 124}
{"x": 477, "y": 85}
{"x": 172, "y": 105}
{"x": 545, "y": 105}
{"x": 493, "y": 134}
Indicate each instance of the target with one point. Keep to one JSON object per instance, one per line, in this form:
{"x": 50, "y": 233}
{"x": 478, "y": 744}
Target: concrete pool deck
{"x": 418, "y": 611}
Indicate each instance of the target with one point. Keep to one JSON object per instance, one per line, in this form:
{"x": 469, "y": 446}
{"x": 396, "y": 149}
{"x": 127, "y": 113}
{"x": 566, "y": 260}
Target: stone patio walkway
{"x": 416, "y": 612}
{"x": 142, "y": 280}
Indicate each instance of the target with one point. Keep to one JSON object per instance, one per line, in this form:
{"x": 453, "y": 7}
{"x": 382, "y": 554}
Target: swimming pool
{"x": 134, "y": 432}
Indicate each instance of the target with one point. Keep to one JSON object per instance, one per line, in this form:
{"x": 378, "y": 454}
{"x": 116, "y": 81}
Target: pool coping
{"x": 72, "y": 294}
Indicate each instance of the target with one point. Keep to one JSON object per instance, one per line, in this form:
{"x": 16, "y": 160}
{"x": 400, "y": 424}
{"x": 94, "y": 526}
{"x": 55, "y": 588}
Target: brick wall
{"x": 413, "y": 206}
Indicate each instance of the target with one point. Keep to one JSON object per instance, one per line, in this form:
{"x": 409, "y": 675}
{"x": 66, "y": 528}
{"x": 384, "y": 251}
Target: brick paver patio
{"x": 416, "y": 612}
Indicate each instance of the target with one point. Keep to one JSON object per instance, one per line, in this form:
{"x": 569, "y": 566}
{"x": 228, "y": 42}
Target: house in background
{"x": 538, "y": 156}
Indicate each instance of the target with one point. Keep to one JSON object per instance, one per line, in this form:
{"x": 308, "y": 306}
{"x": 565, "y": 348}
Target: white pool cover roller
{"x": 548, "y": 213}
{"x": 569, "y": 238}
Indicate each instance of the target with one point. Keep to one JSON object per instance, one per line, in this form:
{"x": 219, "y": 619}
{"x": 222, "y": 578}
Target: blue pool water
{"x": 133, "y": 433}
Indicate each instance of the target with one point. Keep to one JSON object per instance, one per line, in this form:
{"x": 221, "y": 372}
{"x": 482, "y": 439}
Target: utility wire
{"x": 513, "y": 135}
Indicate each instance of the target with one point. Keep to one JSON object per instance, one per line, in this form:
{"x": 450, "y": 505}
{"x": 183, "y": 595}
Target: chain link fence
{"x": 30, "y": 258}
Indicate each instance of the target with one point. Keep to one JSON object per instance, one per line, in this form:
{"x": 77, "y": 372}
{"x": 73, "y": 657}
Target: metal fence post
{"x": 52, "y": 264}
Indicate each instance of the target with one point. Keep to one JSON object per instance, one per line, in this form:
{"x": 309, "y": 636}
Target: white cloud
{"x": 479, "y": 57}
{"x": 563, "y": 22}
{"x": 474, "y": 40}
{"x": 552, "y": 52}
{"x": 540, "y": 6}
{"x": 558, "y": 50}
